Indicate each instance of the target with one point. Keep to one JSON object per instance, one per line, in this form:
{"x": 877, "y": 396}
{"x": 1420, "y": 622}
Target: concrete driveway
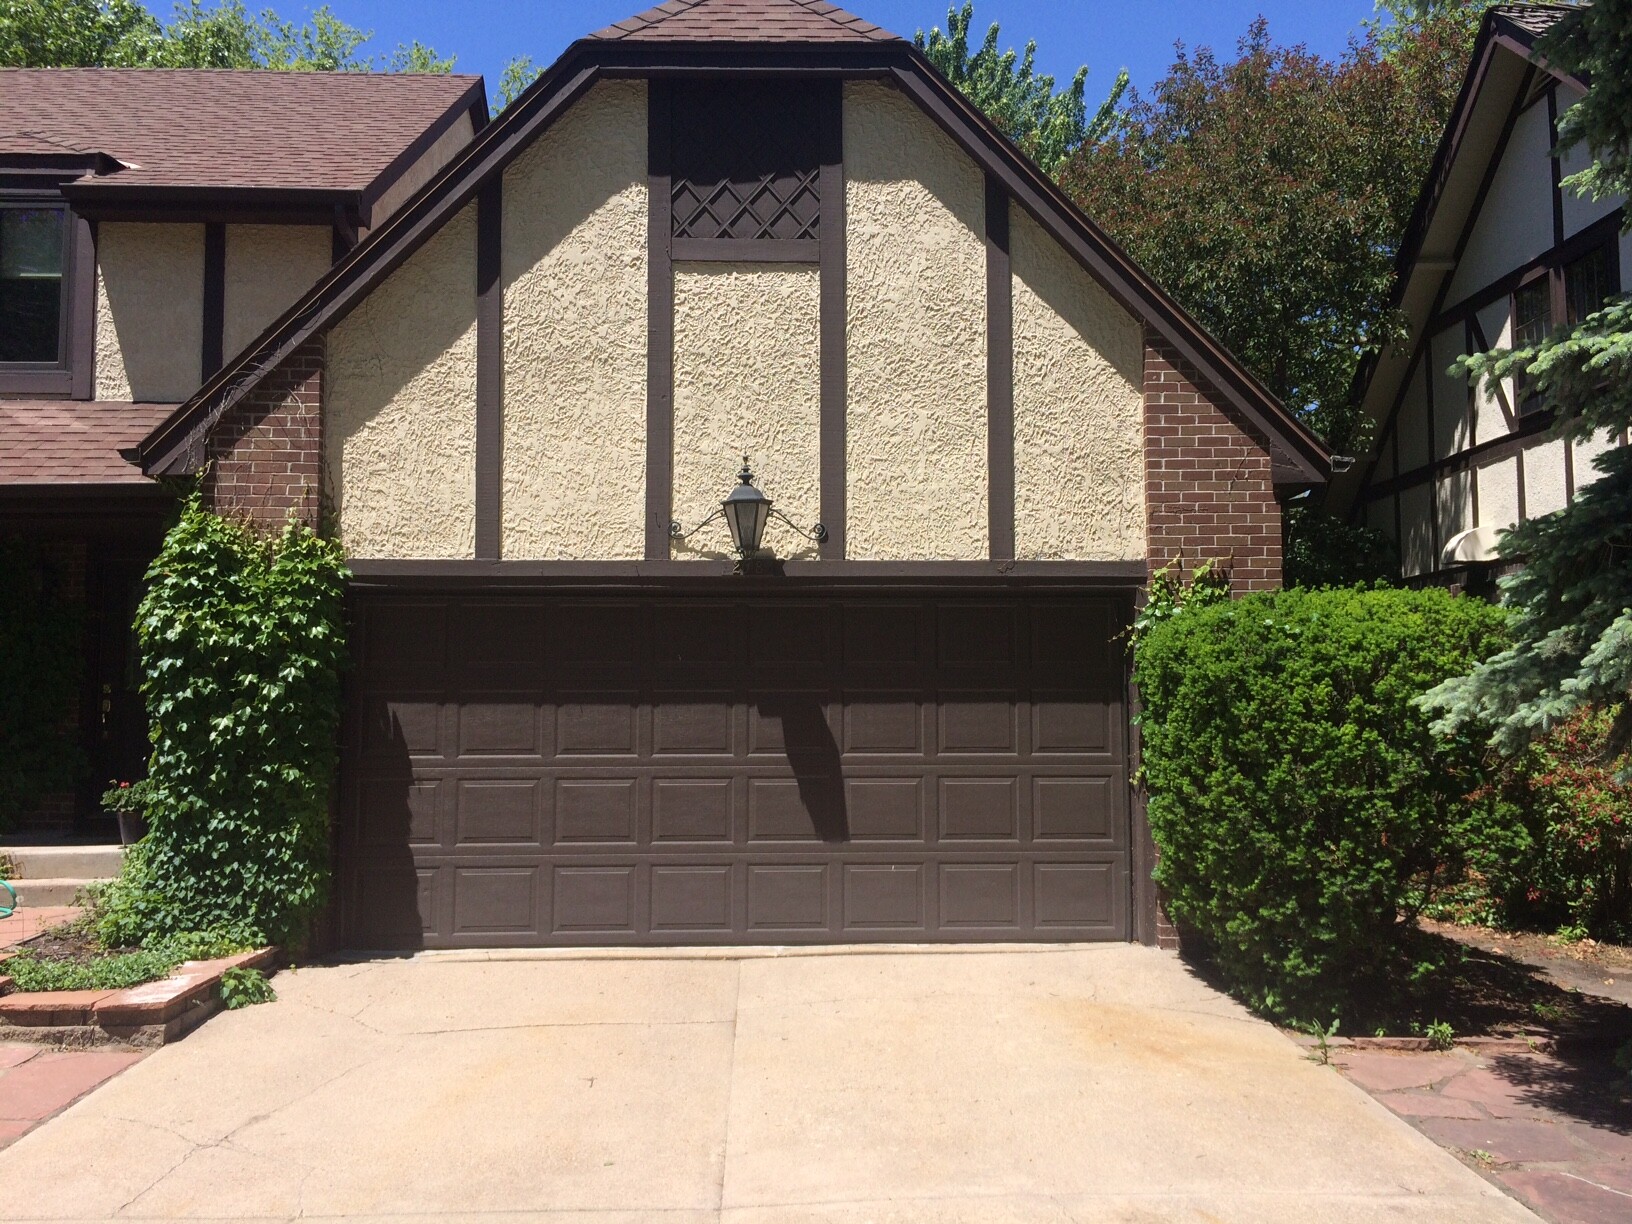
{"x": 1080, "y": 1084}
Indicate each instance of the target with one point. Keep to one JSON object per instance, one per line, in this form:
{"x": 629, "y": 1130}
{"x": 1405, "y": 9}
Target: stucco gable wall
{"x": 400, "y": 450}
{"x": 268, "y": 268}
{"x": 916, "y": 282}
{"x": 149, "y": 310}
{"x": 1078, "y": 408}
{"x": 1515, "y": 222}
{"x": 574, "y": 275}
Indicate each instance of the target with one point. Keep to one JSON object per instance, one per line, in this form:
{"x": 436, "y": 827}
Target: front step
{"x": 70, "y": 861}
{"x": 56, "y": 875}
{"x": 37, "y": 894}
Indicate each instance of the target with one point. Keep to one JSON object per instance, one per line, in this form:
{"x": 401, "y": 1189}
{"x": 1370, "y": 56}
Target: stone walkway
{"x": 37, "y": 1083}
{"x": 1553, "y": 1131}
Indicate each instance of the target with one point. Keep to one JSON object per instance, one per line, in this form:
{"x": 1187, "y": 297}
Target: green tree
{"x": 126, "y": 34}
{"x": 1048, "y": 126}
{"x": 515, "y": 77}
{"x": 1572, "y": 600}
{"x": 1269, "y": 194}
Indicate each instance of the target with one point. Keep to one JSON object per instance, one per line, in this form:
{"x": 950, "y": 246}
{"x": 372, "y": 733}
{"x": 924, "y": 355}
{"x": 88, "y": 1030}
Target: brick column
{"x": 1209, "y": 490}
{"x": 265, "y": 454}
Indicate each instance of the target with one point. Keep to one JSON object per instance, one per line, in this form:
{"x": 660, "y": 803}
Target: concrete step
{"x": 70, "y": 862}
{"x": 37, "y": 893}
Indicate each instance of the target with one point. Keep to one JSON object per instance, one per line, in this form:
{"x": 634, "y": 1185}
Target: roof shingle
{"x": 225, "y": 128}
{"x": 755, "y": 21}
{"x": 54, "y": 442}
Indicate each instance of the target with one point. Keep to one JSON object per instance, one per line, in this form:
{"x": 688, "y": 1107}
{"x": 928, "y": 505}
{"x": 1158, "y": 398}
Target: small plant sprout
{"x": 1323, "y": 1038}
{"x": 242, "y": 987}
{"x": 1440, "y": 1035}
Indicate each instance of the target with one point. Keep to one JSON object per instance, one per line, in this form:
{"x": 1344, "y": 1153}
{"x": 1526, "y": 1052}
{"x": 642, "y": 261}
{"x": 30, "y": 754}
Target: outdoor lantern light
{"x": 746, "y": 510}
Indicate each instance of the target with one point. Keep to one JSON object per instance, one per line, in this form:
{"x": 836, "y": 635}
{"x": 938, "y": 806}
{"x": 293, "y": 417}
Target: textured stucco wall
{"x": 268, "y": 268}
{"x": 401, "y": 412}
{"x": 916, "y": 272}
{"x": 149, "y": 310}
{"x": 1545, "y": 488}
{"x": 574, "y": 273}
{"x": 1078, "y": 408}
{"x": 1515, "y": 222}
{"x": 747, "y": 378}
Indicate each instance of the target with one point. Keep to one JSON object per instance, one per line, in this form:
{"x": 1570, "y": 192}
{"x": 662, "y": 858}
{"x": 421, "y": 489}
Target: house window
{"x": 32, "y": 243}
{"x": 1532, "y": 320}
{"x": 1588, "y": 283}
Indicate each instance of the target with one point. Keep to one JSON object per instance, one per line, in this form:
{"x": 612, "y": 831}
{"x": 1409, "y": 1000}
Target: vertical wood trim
{"x": 1553, "y": 162}
{"x": 1433, "y": 458}
{"x": 659, "y": 325}
{"x": 489, "y": 368}
{"x": 1399, "y": 522}
{"x": 82, "y": 310}
{"x": 1518, "y": 475}
{"x": 1569, "y": 471}
{"x": 834, "y": 311}
{"x": 215, "y": 297}
{"x": 999, "y": 375}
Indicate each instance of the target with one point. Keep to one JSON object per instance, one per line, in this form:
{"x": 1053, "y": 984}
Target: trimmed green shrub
{"x": 40, "y": 666}
{"x": 242, "y": 640}
{"x": 1297, "y": 796}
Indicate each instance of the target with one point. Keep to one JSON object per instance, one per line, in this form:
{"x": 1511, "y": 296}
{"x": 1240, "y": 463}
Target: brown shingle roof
{"x": 1533, "y": 18}
{"x": 72, "y": 442}
{"x": 225, "y": 128}
{"x": 760, "y": 21}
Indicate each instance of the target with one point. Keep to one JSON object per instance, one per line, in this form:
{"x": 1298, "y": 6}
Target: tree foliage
{"x": 242, "y": 642}
{"x": 1047, "y": 125}
{"x": 1298, "y": 798}
{"x": 1572, "y": 600}
{"x": 126, "y": 34}
{"x": 1269, "y": 194}
{"x": 518, "y": 73}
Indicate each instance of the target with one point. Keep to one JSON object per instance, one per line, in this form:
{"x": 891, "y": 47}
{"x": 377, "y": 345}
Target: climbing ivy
{"x": 243, "y": 642}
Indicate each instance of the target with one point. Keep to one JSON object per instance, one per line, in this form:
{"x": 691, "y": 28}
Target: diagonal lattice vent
{"x": 746, "y": 162}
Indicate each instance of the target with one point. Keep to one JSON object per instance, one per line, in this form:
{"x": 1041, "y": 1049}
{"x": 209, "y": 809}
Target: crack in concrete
{"x": 730, "y": 1091}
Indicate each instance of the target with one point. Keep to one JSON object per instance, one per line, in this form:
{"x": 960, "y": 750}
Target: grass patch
{"x": 71, "y": 958}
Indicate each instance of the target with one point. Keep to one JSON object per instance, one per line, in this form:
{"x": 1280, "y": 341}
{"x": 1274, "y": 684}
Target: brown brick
{"x": 265, "y": 453}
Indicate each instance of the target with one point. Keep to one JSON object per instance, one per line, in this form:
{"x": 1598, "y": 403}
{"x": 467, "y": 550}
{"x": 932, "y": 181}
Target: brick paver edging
{"x": 146, "y": 1015}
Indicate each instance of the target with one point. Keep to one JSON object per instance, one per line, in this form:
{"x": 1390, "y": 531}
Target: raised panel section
{"x": 1074, "y": 894}
{"x": 497, "y": 810}
{"x": 1070, "y": 722}
{"x": 1072, "y": 808}
{"x": 882, "y": 722}
{"x": 785, "y": 722}
{"x": 394, "y": 812}
{"x": 488, "y": 899}
{"x": 787, "y": 896}
{"x": 978, "y": 722}
{"x": 594, "y": 898}
{"x": 883, "y": 633}
{"x": 980, "y": 895}
{"x": 976, "y": 634}
{"x": 596, "y": 633}
{"x": 595, "y": 810}
{"x": 787, "y": 633}
{"x": 692, "y": 722}
{"x": 498, "y": 728}
{"x": 404, "y": 640}
{"x": 395, "y": 906}
{"x": 792, "y": 809}
{"x": 691, "y": 898}
{"x": 1076, "y": 634}
{"x": 596, "y": 724}
{"x": 983, "y": 809}
{"x": 885, "y": 808}
{"x": 884, "y": 895}
{"x": 395, "y": 728}
{"x": 691, "y": 809}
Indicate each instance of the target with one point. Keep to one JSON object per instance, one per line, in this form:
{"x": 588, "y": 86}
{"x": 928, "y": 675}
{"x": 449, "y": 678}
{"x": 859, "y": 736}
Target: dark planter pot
{"x": 132, "y": 827}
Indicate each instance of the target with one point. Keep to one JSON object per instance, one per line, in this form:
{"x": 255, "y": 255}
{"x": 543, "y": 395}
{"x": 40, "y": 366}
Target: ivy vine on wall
{"x": 243, "y": 642}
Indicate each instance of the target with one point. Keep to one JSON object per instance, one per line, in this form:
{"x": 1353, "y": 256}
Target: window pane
{"x": 30, "y": 283}
{"x": 1587, "y": 283}
{"x": 1532, "y": 313}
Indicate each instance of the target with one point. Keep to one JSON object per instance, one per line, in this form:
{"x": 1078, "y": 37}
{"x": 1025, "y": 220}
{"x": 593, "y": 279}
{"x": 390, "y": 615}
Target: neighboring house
{"x": 1497, "y": 255}
{"x": 726, "y": 227}
{"x": 152, "y": 223}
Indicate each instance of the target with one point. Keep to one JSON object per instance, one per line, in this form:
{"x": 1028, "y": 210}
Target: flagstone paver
{"x": 34, "y": 920}
{"x": 37, "y": 1083}
{"x": 1555, "y": 1131}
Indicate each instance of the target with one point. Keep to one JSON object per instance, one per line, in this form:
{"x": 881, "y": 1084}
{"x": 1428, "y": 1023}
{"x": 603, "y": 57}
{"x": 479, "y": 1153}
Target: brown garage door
{"x": 537, "y": 769}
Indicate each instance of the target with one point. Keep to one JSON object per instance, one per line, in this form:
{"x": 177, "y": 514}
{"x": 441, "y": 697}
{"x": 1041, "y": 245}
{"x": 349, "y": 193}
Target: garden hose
{"x": 6, "y": 911}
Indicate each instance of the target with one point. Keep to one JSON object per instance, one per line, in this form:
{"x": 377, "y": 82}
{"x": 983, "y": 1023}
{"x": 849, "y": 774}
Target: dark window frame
{"x": 1554, "y": 274}
{"x": 69, "y": 376}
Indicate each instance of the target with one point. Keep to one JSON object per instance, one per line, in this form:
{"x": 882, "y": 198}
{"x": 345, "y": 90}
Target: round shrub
{"x": 1297, "y": 796}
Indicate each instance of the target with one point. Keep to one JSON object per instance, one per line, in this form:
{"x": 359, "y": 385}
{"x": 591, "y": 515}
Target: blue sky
{"x": 1104, "y": 34}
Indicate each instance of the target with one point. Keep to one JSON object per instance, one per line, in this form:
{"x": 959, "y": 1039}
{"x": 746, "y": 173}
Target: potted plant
{"x": 128, "y": 802}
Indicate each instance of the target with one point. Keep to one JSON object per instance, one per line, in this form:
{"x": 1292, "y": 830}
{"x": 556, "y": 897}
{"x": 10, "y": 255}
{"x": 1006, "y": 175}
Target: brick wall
{"x": 1209, "y": 492}
{"x": 265, "y": 454}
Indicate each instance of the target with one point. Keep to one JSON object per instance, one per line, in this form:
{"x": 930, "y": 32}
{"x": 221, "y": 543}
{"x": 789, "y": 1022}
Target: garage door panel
{"x": 694, "y": 722}
{"x": 722, "y": 770}
{"x": 693, "y": 810}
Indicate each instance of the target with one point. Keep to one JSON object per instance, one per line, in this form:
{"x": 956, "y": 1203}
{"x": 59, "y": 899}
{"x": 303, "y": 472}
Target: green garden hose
{"x": 6, "y": 911}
